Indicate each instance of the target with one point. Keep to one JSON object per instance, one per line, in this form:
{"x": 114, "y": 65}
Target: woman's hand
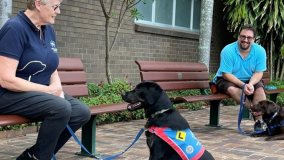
{"x": 55, "y": 85}
{"x": 55, "y": 89}
{"x": 62, "y": 95}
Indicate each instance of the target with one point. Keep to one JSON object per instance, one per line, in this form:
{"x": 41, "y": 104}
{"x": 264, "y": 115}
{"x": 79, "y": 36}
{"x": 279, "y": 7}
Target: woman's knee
{"x": 62, "y": 109}
{"x": 84, "y": 113}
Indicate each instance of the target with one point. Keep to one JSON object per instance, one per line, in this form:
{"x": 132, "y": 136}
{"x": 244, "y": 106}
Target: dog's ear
{"x": 154, "y": 93}
{"x": 270, "y": 106}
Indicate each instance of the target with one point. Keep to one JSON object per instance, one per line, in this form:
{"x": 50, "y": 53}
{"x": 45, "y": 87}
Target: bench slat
{"x": 6, "y": 120}
{"x": 174, "y": 76}
{"x": 184, "y": 85}
{"x": 170, "y": 66}
{"x": 76, "y": 77}
{"x": 266, "y": 81}
{"x": 202, "y": 98}
{"x": 273, "y": 91}
{"x": 79, "y": 90}
{"x": 265, "y": 75}
{"x": 70, "y": 64}
{"x": 107, "y": 108}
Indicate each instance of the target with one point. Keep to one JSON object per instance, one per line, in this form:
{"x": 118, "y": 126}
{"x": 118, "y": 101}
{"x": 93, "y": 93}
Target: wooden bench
{"x": 173, "y": 76}
{"x": 73, "y": 79}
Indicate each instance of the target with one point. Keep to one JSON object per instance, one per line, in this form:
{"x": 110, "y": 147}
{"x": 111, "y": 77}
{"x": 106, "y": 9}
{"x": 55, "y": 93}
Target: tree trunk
{"x": 278, "y": 68}
{"x": 205, "y": 31}
{"x": 107, "y": 17}
{"x": 282, "y": 71}
{"x": 5, "y": 11}
{"x": 107, "y": 60}
{"x": 271, "y": 56}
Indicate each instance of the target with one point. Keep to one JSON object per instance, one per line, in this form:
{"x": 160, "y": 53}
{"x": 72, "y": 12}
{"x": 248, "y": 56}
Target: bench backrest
{"x": 265, "y": 78}
{"x": 179, "y": 75}
{"x": 175, "y": 75}
{"x": 73, "y": 77}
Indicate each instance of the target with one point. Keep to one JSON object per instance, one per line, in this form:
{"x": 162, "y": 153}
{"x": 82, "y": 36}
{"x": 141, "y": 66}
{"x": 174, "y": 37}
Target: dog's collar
{"x": 159, "y": 112}
{"x": 273, "y": 116}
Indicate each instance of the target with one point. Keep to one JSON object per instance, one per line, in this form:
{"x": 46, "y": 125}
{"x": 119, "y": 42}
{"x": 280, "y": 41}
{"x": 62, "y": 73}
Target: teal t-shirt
{"x": 232, "y": 62}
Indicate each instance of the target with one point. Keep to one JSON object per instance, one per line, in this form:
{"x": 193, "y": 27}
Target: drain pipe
{"x": 5, "y": 11}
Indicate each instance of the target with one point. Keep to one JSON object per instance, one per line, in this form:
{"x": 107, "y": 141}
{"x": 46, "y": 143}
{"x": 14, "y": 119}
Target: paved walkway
{"x": 224, "y": 143}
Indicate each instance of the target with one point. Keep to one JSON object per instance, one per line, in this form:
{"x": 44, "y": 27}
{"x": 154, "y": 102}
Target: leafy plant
{"x": 105, "y": 93}
{"x": 280, "y": 97}
{"x": 19, "y": 126}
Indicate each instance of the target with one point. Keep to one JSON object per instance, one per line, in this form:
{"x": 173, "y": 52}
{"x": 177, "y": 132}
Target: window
{"x": 179, "y": 14}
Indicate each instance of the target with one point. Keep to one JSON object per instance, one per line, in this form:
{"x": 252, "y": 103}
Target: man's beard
{"x": 244, "y": 48}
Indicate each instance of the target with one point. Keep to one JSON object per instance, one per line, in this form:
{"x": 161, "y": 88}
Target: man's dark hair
{"x": 249, "y": 27}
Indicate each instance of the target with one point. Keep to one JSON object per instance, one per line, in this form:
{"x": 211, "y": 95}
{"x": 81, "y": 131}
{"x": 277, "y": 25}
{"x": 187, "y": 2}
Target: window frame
{"x": 173, "y": 26}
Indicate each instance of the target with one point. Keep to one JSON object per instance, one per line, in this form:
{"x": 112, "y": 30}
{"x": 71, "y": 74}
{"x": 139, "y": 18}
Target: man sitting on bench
{"x": 243, "y": 62}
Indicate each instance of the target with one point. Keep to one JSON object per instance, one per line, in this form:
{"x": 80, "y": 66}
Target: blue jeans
{"x": 54, "y": 112}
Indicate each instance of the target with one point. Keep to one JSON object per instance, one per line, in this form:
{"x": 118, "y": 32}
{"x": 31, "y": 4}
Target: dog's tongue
{"x": 257, "y": 113}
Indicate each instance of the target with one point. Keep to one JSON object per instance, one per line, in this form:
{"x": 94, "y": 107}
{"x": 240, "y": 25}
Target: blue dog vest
{"x": 183, "y": 142}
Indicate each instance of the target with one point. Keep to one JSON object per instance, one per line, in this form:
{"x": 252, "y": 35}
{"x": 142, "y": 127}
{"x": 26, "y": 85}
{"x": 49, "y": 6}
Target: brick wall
{"x": 80, "y": 33}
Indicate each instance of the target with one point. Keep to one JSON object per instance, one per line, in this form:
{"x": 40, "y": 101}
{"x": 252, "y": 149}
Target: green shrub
{"x": 18, "y": 126}
{"x": 104, "y": 93}
{"x": 280, "y": 97}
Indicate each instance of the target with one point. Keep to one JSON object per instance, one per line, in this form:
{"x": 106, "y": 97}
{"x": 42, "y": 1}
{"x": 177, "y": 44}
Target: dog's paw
{"x": 270, "y": 138}
{"x": 274, "y": 138}
{"x": 254, "y": 135}
{"x": 263, "y": 134}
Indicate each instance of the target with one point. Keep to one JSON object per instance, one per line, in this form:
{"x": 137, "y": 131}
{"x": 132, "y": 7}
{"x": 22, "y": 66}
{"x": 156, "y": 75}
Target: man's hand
{"x": 249, "y": 89}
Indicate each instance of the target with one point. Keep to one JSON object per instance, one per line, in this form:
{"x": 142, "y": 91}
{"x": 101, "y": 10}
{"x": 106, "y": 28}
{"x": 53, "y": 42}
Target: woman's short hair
{"x": 31, "y": 3}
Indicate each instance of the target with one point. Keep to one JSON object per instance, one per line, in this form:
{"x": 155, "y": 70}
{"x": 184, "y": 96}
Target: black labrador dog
{"x": 163, "y": 119}
{"x": 273, "y": 116}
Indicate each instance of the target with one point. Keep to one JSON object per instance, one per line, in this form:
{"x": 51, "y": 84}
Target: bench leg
{"x": 273, "y": 97}
{"x": 214, "y": 113}
{"x": 246, "y": 114}
{"x": 89, "y": 137}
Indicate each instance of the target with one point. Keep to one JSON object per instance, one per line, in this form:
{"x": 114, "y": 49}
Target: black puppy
{"x": 163, "y": 119}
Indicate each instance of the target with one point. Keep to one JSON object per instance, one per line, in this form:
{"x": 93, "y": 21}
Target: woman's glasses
{"x": 55, "y": 6}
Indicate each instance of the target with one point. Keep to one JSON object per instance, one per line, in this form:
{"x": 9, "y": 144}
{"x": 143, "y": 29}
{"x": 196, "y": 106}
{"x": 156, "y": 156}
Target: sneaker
{"x": 27, "y": 154}
{"x": 258, "y": 125}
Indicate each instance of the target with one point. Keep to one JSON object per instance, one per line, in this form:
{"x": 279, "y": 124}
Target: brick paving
{"x": 224, "y": 143}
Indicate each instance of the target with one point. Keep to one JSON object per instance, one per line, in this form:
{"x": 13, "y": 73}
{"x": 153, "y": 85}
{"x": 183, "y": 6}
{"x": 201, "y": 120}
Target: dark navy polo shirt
{"x": 38, "y": 58}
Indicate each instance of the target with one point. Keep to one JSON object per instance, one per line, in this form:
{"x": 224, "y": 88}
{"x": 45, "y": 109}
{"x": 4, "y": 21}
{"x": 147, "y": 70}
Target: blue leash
{"x": 94, "y": 156}
{"x": 242, "y": 104}
{"x": 136, "y": 138}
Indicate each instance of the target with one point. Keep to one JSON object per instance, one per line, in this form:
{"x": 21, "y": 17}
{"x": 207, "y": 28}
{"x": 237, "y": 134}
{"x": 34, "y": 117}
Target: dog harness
{"x": 273, "y": 126}
{"x": 183, "y": 142}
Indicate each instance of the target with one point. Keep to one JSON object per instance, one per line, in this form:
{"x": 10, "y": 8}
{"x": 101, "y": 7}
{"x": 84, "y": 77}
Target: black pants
{"x": 54, "y": 112}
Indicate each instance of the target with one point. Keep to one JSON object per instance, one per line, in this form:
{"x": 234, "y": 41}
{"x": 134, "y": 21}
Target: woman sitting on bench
{"x": 29, "y": 82}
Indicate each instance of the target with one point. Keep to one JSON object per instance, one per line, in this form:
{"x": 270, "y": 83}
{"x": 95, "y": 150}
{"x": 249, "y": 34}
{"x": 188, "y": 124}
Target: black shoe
{"x": 258, "y": 125}
{"x": 27, "y": 154}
